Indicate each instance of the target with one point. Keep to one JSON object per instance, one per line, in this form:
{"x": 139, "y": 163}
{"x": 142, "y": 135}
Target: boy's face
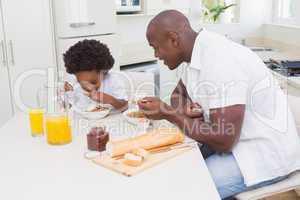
{"x": 90, "y": 80}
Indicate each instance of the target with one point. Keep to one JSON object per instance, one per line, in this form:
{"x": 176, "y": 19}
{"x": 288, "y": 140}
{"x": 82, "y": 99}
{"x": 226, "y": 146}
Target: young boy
{"x": 90, "y": 62}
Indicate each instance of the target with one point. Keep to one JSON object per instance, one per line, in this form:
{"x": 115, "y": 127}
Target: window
{"x": 285, "y": 11}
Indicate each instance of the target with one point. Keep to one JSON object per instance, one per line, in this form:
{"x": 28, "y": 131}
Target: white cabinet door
{"x": 75, "y": 18}
{"x": 30, "y": 47}
{"x": 294, "y": 99}
{"x": 5, "y": 103}
{"x": 109, "y": 40}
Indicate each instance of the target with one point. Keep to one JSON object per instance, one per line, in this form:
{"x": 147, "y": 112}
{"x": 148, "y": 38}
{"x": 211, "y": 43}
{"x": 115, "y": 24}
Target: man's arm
{"x": 220, "y": 134}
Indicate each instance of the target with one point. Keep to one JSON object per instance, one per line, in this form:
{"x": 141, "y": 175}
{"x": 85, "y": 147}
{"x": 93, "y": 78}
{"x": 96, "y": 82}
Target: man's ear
{"x": 174, "y": 37}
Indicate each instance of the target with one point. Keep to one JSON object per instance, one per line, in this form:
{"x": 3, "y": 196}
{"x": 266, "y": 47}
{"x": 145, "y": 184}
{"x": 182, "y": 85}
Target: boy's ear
{"x": 174, "y": 37}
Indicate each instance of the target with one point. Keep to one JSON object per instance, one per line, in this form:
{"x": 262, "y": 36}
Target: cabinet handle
{"x": 82, "y": 24}
{"x": 3, "y": 53}
{"x": 12, "y": 52}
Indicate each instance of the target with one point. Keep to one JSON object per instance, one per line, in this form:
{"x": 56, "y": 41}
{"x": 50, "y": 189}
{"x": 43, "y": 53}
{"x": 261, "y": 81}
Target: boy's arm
{"x": 104, "y": 98}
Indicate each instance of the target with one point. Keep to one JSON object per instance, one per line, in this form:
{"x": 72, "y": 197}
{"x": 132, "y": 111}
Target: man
{"x": 245, "y": 117}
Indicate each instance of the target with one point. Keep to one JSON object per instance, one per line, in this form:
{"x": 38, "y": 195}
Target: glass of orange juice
{"x": 36, "y": 118}
{"x": 58, "y": 129}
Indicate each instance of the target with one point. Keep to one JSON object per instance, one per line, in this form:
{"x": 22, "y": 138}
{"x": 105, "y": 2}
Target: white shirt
{"x": 223, "y": 73}
{"x": 112, "y": 84}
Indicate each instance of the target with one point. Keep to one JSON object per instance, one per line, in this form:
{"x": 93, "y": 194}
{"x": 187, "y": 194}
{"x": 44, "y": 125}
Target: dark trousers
{"x": 205, "y": 150}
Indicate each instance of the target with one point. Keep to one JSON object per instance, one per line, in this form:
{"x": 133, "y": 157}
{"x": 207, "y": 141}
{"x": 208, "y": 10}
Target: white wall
{"x": 288, "y": 35}
{"x": 284, "y": 34}
{"x": 132, "y": 31}
{"x": 253, "y": 13}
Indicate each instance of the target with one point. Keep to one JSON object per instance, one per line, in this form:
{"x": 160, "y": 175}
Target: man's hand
{"x": 154, "y": 108}
{"x": 193, "y": 110}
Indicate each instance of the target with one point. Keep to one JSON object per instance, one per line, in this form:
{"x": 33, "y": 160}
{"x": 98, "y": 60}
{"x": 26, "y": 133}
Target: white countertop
{"x": 281, "y": 56}
{"x": 31, "y": 169}
{"x": 293, "y": 81}
{"x": 278, "y": 55}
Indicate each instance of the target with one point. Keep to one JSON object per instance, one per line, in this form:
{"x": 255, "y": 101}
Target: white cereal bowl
{"x": 135, "y": 121}
{"x": 93, "y": 115}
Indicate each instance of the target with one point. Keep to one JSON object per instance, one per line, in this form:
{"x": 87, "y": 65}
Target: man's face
{"x": 93, "y": 78}
{"x": 165, "y": 47}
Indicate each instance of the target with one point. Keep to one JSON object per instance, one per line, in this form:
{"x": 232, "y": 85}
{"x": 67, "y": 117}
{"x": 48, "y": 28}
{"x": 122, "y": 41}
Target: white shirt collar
{"x": 195, "y": 59}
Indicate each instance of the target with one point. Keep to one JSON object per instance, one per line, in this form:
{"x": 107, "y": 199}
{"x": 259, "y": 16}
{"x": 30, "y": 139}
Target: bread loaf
{"x": 153, "y": 139}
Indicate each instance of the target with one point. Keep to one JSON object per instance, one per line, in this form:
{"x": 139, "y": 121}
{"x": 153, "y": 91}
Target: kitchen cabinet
{"x": 153, "y": 7}
{"x": 133, "y": 53}
{"x": 5, "y": 95}
{"x": 75, "y": 18}
{"x": 169, "y": 80}
{"x": 5, "y": 103}
{"x": 109, "y": 40}
{"x": 294, "y": 105}
{"x": 293, "y": 96}
{"x": 29, "y": 48}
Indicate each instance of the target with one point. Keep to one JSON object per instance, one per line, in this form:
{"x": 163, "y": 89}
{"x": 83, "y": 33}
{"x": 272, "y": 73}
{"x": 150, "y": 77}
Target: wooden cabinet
{"x": 29, "y": 46}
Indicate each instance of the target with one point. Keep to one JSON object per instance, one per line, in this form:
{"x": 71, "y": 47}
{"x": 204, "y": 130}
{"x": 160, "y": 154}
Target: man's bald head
{"x": 172, "y": 38}
{"x": 169, "y": 20}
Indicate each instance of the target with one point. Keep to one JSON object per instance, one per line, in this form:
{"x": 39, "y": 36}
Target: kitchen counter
{"x": 292, "y": 81}
{"x": 278, "y": 55}
{"x": 31, "y": 169}
{"x": 281, "y": 55}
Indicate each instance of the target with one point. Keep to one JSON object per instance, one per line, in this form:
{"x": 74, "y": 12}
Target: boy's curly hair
{"x": 88, "y": 55}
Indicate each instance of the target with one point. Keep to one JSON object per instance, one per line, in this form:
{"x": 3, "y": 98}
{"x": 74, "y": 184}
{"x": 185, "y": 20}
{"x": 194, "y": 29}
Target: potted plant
{"x": 217, "y": 13}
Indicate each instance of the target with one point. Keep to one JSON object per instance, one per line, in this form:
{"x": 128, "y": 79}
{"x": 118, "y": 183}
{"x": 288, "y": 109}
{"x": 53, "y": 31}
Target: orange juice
{"x": 58, "y": 129}
{"x": 36, "y": 118}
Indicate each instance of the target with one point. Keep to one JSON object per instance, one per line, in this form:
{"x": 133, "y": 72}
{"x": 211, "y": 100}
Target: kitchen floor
{"x": 290, "y": 195}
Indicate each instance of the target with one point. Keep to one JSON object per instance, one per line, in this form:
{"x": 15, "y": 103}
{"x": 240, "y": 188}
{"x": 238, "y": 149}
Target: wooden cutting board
{"x": 153, "y": 159}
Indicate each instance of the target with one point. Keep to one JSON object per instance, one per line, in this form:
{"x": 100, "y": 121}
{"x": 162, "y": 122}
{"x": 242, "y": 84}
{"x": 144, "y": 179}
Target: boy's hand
{"x": 101, "y": 97}
{"x": 68, "y": 87}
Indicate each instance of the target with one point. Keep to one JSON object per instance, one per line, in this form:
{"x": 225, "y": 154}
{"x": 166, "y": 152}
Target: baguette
{"x": 153, "y": 139}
